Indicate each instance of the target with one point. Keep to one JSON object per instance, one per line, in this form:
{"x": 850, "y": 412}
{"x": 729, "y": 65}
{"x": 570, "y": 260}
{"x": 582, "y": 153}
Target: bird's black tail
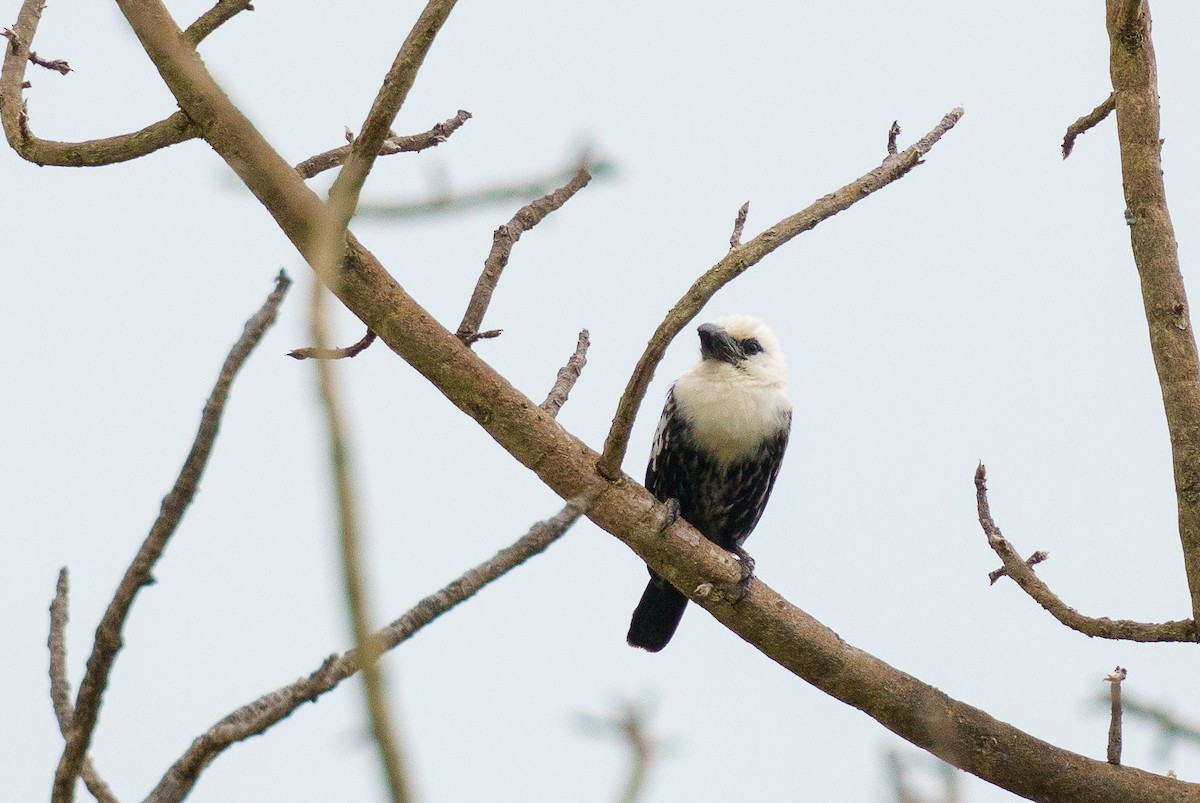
{"x": 656, "y": 616}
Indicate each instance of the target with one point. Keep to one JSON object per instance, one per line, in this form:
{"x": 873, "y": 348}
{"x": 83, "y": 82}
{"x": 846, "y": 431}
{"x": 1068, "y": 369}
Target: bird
{"x": 716, "y": 454}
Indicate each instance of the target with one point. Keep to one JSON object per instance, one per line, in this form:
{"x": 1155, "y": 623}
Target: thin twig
{"x": 631, "y": 725}
{"x": 214, "y": 18}
{"x": 1033, "y": 560}
{"x": 311, "y": 353}
{"x": 567, "y": 376}
{"x": 256, "y": 717}
{"x": 17, "y": 45}
{"x": 344, "y": 194}
{"x": 386, "y": 738}
{"x": 503, "y": 240}
{"x": 1031, "y": 584}
{"x": 60, "y": 686}
{"x": 59, "y": 66}
{"x": 442, "y": 203}
{"x": 1114, "y": 680}
{"x": 1171, "y": 725}
{"x": 1087, "y": 122}
{"x": 109, "y": 634}
{"x": 737, "y": 261}
{"x": 435, "y": 136}
{"x": 739, "y": 225}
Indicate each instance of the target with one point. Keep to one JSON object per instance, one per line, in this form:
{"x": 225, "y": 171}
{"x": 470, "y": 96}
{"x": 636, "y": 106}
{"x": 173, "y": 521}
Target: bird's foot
{"x": 747, "y": 565}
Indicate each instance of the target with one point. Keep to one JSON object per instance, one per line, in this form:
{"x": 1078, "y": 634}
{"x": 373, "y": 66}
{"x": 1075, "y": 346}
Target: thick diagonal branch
{"x": 109, "y": 639}
{"x": 737, "y": 261}
{"x": 1172, "y": 342}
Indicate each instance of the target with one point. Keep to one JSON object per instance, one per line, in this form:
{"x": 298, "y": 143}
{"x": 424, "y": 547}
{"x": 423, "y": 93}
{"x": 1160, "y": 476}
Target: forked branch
{"x": 503, "y": 241}
{"x": 343, "y": 195}
{"x": 315, "y": 165}
{"x": 1021, "y": 571}
{"x": 60, "y": 686}
{"x": 90, "y": 153}
{"x": 109, "y": 639}
{"x": 737, "y": 261}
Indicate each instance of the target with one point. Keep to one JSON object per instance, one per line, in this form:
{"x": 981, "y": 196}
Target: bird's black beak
{"x": 715, "y": 344}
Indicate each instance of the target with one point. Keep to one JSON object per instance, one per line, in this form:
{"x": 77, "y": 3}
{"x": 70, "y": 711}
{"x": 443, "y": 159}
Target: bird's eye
{"x": 751, "y": 347}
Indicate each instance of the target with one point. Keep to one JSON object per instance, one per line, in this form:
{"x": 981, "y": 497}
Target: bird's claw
{"x": 747, "y": 565}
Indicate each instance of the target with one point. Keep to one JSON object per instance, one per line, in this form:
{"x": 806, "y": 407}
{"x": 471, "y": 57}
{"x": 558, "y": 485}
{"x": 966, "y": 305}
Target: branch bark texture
{"x": 1135, "y": 84}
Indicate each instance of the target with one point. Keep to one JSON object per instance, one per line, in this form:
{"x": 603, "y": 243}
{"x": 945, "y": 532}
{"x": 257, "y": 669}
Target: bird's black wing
{"x": 747, "y": 486}
{"x": 677, "y": 467}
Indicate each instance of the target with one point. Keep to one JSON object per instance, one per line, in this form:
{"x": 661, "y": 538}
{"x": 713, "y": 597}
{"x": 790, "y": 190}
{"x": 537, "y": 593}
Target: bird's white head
{"x": 736, "y": 396}
{"x": 744, "y": 344}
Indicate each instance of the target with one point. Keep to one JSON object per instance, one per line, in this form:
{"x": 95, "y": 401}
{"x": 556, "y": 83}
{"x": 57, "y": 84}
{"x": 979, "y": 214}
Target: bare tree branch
{"x": 736, "y": 262}
{"x": 893, "y": 135}
{"x": 1024, "y": 576}
{"x": 1114, "y": 680}
{"x": 108, "y": 635}
{"x": 502, "y": 192}
{"x": 1033, "y": 560}
{"x": 90, "y": 153}
{"x": 631, "y": 725}
{"x": 739, "y": 225}
{"x": 955, "y": 731}
{"x": 314, "y": 165}
{"x": 1170, "y": 724}
{"x": 1087, "y": 122}
{"x": 57, "y": 65}
{"x": 379, "y": 714}
{"x": 60, "y": 686}
{"x": 503, "y": 241}
{"x": 256, "y": 717}
{"x": 1152, "y": 235}
{"x": 567, "y": 376}
{"x": 343, "y": 195}
{"x": 310, "y": 353}
{"x": 214, "y": 18}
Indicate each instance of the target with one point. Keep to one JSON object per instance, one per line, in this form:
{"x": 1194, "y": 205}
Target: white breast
{"x": 731, "y": 412}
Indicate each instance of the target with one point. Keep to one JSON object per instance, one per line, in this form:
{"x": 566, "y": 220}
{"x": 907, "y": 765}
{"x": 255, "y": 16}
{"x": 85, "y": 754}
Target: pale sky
{"x": 985, "y": 307}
